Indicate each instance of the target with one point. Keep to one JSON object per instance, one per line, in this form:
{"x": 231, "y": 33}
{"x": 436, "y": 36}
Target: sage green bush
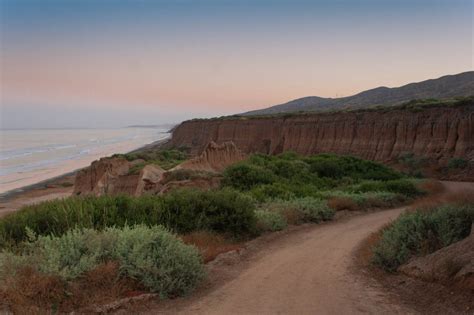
{"x": 310, "y": 209}
{"x": 269, "y": 220}
{"x": 151, "y": 255}
{"x": 420, "y": 233}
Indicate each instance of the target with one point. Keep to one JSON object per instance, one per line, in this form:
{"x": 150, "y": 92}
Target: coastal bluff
{"x": 438, "y": 133}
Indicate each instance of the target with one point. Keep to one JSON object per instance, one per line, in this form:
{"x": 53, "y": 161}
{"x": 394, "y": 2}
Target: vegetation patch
{"x": 270, "y": 220}
{"x": 289, "y": 176}
{"x": 457, "y": 163}
{"x": 154, "y": 257}
{"x": 225, "y": 211}
{"x": 422, "y": 232}
{"x": 301, "y": 210}
{"x": 166, "y": 159}
{"x": 186, "y": 174}
{"x": 415, "y": 105}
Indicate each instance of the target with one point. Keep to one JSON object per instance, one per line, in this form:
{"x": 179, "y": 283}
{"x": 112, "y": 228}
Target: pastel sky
{"x": 107, "y": 63}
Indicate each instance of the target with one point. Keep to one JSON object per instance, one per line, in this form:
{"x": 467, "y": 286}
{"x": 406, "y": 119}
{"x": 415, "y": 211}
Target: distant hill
{"x": 448, "y": 86}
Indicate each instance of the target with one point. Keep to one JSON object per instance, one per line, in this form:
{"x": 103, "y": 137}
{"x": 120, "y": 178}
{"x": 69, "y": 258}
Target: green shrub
{"x": 457, "y": 163}
{"x": 185, "y": 210}
{"x": 401, "y": 186}
{"x": 413, "y": 163}
{"x": 160, "y": 261}
{"x": 404, "y": 187}
{"x": 420, "y": 233}
{"x": 185, "y": 174}
{"x": 334, "y": 166}
{"x": 224, "y": 211}
{"x": 365, "y": 200}
{"x": 269, "y": 220}
{"x": 277, "y": 190}
{"x": 164, "y": 158}
{"x": 151, "y": 255}
{"x": 245, "y": 176}
{"x": 290, "y": 168}
{"x": 311, "y": 209}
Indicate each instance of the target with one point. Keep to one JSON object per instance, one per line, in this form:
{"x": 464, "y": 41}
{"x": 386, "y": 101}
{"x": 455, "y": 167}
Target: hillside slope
{"x": 442, "y": 88}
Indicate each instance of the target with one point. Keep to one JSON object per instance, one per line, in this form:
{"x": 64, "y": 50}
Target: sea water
{"x": 30, "y": 156}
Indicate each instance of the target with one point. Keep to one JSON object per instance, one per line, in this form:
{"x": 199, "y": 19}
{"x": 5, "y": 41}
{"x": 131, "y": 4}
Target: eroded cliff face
{"x": 215, "y": 158}
{"x": 436, "y": 133}
{"x": 110, "y": 176}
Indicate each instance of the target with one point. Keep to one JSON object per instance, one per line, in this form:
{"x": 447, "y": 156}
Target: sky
{"x": 112, "y": 63}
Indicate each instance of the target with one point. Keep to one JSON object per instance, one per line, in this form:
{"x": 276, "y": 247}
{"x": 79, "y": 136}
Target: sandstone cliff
{"x": 439, "y": 133}
{"x": 214, "y": 158}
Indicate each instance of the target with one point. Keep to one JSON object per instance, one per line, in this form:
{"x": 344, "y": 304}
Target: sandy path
{"x": 308, "y": 273}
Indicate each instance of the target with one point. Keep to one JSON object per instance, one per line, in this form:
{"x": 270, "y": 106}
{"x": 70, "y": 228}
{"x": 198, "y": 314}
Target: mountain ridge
{"x": 448, "y": 86}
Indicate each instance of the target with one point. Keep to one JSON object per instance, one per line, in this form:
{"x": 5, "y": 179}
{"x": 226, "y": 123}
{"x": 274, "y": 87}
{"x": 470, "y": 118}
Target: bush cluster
{"x": 365, "y": 200}
{"x": 288, "y": 175}
{"x": 270, "y": 220}
{"x": 157, "y": 259}
{"x": 165, "y": 158}
{"x": 400, "y": 186}
{"x": 418, "y": 233}
{"x": 300, "y": 210}
{"x": 225, "y": 211}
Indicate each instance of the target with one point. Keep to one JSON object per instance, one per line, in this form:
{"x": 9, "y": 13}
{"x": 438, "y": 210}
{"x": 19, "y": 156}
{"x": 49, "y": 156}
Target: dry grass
{"x": 462, "y": 197}
{"x": 365, "y": 252}
{"x": 342, "y": 203}
{"x": 432, "y": 186}
{"x": 30, "y": 292}
{"x": 210, "y": 245}
{"x": 430, "y": 202}
{"x": 292, "y": 216}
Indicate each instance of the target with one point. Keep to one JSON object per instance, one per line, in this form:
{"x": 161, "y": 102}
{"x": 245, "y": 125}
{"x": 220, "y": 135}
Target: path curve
{"x": 309, "y": 273}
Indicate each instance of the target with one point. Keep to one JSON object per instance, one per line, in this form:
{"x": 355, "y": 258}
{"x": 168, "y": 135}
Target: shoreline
{"x": 59, "y": 186}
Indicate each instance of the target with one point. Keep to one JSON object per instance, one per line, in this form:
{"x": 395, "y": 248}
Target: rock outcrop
{"x": 438, "y": 133}
{"x": 452, "y": 264}
{"x": 111, "y": 176}
{"x": 214, "y": 158}
{"x": 98, "y": 178}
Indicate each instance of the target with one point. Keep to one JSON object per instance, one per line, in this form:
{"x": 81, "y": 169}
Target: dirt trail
{"x": 308, "y": 273}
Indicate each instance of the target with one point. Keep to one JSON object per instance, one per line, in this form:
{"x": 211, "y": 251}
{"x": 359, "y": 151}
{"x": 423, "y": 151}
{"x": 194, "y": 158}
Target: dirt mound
{"x": 214, "y": 158}
{"x": 451, "y": 265}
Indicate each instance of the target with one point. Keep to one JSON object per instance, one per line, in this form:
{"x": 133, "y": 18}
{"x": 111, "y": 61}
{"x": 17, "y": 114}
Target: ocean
{"x": 30, "y": 156}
